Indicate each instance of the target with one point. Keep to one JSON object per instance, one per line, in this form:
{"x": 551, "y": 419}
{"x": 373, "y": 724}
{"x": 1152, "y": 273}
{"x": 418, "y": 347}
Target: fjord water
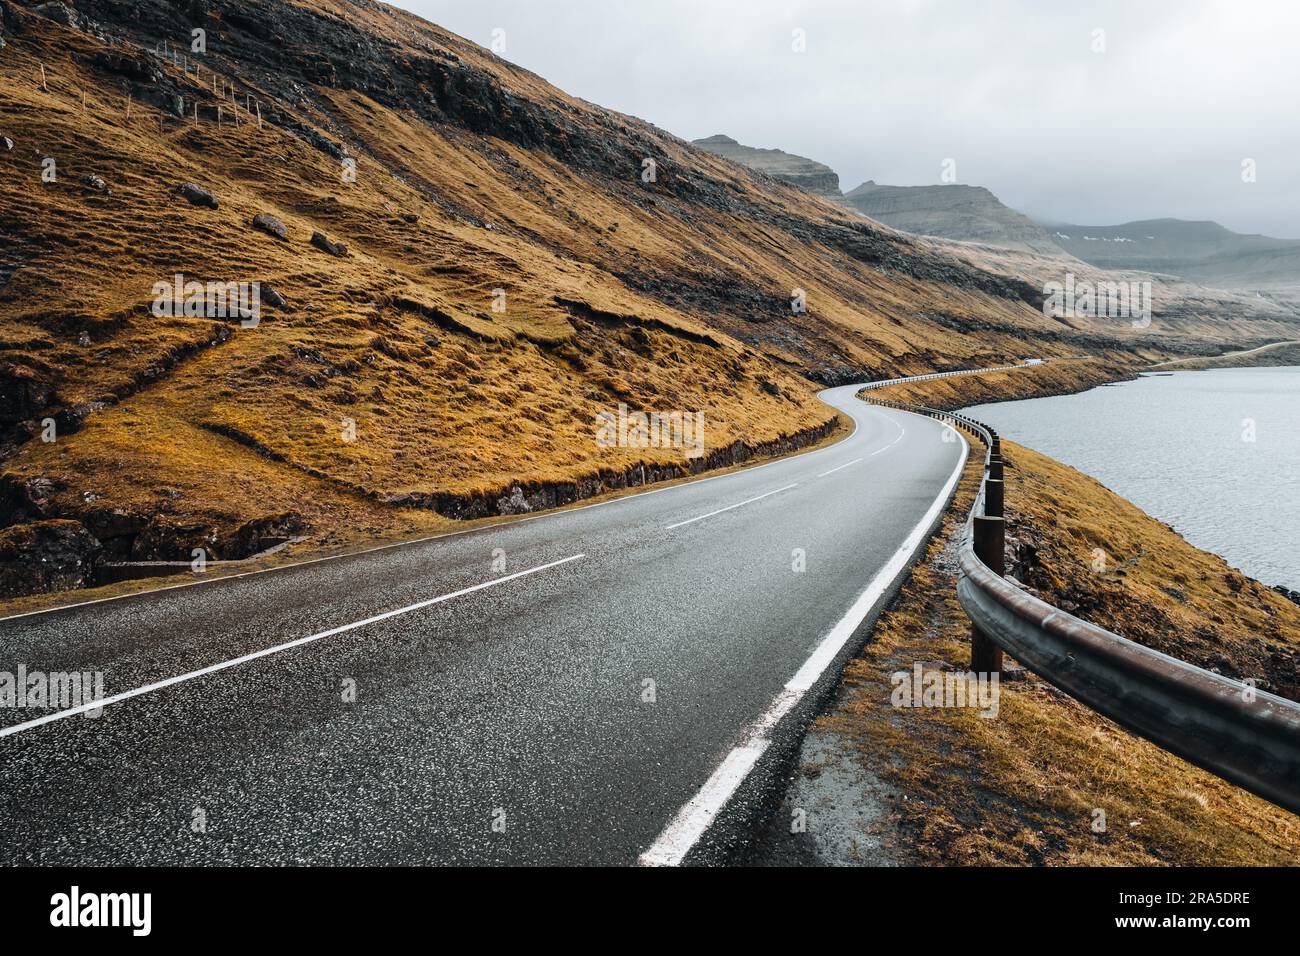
{"x": 1215, "y": 453}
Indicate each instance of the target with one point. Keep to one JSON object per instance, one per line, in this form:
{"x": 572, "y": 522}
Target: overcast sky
{"x": 1158, "y": 124}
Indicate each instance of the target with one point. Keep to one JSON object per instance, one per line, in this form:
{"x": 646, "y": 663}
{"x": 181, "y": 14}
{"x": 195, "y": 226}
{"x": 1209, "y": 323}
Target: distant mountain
{"x": 1204, "y": 252}
{"x": 967, "y": 213}
{"x": 800, "y": 171}
{"x": 1199, "y": 252}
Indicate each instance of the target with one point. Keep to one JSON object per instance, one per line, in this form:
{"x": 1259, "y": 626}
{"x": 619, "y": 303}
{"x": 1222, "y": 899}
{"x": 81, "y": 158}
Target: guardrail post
{"x": 990, "y": 543}
{"x": 995, "y": 469}
{"x": 994, "y": 500}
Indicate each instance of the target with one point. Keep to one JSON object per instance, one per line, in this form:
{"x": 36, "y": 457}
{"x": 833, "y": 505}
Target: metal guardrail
{"x": 1245, "y": 735}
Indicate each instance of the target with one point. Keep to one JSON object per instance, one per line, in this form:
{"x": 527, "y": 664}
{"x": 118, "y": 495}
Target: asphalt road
{"x": 502, "y": 714}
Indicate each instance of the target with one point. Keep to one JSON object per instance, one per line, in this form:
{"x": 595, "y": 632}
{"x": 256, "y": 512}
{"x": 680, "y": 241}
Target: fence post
{"x": 994, "y": 501}
{"x": 990, "y": 542}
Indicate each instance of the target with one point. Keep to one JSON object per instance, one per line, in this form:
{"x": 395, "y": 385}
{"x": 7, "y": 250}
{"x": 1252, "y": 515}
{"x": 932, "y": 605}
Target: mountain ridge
{"x": 951, "y": 211}
{"x": 460, "y": 268}
{"x": 1199, "y": 250}
{"x": 808, "y": 174}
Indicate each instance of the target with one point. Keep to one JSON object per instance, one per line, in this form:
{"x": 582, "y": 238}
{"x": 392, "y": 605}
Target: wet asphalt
{"x": 559, "y": 717}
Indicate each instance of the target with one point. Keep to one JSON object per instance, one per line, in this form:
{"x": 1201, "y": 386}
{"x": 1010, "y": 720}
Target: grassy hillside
{"x": 511, "y": 271}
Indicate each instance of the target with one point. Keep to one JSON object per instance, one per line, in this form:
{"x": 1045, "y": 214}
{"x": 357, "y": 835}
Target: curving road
{"x": 622, "y": 690}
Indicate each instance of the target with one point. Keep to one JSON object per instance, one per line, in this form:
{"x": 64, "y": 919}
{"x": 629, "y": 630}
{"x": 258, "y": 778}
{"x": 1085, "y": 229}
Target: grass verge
{"x": 1046, "y": 781}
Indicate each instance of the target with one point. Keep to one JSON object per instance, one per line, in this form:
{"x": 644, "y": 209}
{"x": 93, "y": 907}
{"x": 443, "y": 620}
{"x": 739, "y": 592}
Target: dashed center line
{"x": 839, "y": 468}
{"x": 901, "y": 432}
{"x": 684, "y": 831}
{"x": 738, "y": 504}
{"x": 268, "y": 651}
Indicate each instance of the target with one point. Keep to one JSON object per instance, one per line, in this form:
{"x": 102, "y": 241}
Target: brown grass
{"x": 1022, "y": 789}
{"x": 1153, "y": 587}
{"x": 615, "y": 293}
{"x": 206, "y": 421}
{"x": 1057, "y": 377}
{"x": 1287, "y": 354}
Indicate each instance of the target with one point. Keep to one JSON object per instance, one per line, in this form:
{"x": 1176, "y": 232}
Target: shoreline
{"x": 1089, "y": 449}
{"x": 944, "y": 786}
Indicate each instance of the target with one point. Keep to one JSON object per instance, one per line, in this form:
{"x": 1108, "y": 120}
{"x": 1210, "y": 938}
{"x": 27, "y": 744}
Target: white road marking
{"x": 496, "y": 526}
{"x": 268, "y": 651}
{"x": 695, "y": 818}
{"x": 482, "y": 529}
{"x": 840, "y": 468}
{"x": 738, "y": 504}
{"x": 901, "y": 432}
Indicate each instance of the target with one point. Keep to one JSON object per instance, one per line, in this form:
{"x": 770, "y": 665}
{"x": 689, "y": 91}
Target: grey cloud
{"x": 1157, "y": 125}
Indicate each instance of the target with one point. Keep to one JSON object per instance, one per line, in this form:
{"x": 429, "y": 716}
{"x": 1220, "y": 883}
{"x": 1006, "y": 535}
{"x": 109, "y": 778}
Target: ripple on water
{"x": 1216, "y": 454}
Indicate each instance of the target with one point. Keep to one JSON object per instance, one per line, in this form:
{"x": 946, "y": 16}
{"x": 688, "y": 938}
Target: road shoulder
{"x": 1046, "y": 781}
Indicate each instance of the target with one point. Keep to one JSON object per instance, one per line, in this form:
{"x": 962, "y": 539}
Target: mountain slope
{"x": 966, "y": 213}
{"x": 1203, "y": 252}
{"x": 512, "y": 271}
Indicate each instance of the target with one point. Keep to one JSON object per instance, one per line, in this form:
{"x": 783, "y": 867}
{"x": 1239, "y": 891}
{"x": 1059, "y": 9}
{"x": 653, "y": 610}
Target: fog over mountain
{"x": 1206, "y": 253}
{"x": 1201, "y": 251}
{"x": 1155, "y": 126}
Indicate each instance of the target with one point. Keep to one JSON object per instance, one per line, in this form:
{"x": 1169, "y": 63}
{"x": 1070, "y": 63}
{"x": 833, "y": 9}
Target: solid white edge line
{"x": 268, "y": 651}
{"x": 839, "y": 468}
{"x": 738, "y": 504}
{"x": 695, "y": 818}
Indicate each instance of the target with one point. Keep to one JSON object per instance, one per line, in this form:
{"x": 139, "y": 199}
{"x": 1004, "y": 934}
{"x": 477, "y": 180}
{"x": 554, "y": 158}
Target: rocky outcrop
{"x": 115, "y": 529}
{"x": 527, "y": 497}
{"x": 24, "y": 392}
{"x": 60, "y": 13}
{"x": 12, "y": 19}
{"x": 135, "y": 66}
{"x": 174, "y": 539}
{"x": 97, "y": 183}
{"x": 128, "y": 536}
{"x": 965, "y": 213}
{"x": 24, "y": 499}
{"x": 260, "y": 534}
{"x": 807, "y": 174}
{"x": 43, "y": 556}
